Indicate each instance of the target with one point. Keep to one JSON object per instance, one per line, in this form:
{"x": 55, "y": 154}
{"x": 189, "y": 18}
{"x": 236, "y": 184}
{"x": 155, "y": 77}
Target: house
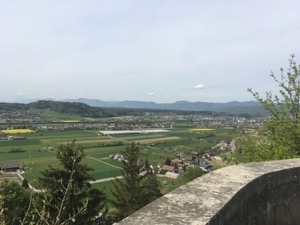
{"x": 187, "y": 157}
{"x": 167, "y": 168}
{"x": 176, "y": 161}
{"x": 190, "y": 159}
{"x": 15, "y": 138}
{"x": 205, "y": 166}
{"x": 12, "y": 166}
{"x": 119, "y": 157}
{"x": 181, "y": 168}
{"x": 206, "y": 156}
{"x": 171, "y": 175}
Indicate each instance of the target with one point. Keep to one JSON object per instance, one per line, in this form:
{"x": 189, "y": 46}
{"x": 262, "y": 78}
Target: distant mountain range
{"x": 234, "y": 107}
{"x": 251, "y": 108}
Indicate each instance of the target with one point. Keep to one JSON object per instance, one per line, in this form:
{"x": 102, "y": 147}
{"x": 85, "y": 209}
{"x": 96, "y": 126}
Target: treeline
{"x": 79, "y": 108}
{"x": 10, "y": 107}
{"x": 85, "y": 110}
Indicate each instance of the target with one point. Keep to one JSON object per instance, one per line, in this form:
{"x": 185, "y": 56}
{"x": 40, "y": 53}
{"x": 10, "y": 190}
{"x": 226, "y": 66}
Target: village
{"x": 148, "y": 120}
{"x": 172, "y": 168}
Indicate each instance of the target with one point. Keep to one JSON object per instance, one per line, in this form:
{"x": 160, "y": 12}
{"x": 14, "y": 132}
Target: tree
{"x": 138, "y": 186}
{"x": 282, "y": 131}
{"x": 255, "y": 149}
{"x": 68, "y": 197}
{"x": 2, "y": 222}
{"x": 14, "y": 202}
{"x": 25, "y": 184}
{"x": 151, "y": 185}
{"x": 168, "y": 162}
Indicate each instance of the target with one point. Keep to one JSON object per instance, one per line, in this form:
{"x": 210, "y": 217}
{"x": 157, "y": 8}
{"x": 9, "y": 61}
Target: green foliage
{"x": 168, "y": 162}
{"x": 13, "y": 106}
{"x": 151, "y": 190}
{"x": 81, "y": 109}
{"x": 190, "y": 174}
{"x": 68, "y": 195}
{"x": 15, "y": 202}
{"x": 138, "y": 187}
{"x": 255, "y": 149}
{"x": 281, "y": 134}
{"x": 25, "y": 184}
{"x": 16, "y": 150}
{"x": 2, "y": 222}
{"x": 169, "y": 184}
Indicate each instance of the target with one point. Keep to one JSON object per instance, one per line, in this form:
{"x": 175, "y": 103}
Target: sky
{"x": 156, "y": 50}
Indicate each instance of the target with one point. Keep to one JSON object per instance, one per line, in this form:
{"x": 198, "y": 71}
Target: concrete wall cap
{"x": 196, "y": 202}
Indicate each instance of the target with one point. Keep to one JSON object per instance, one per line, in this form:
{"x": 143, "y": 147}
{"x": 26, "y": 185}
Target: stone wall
{"x": 265, "y": 193}
{"x": 273, "y": 198}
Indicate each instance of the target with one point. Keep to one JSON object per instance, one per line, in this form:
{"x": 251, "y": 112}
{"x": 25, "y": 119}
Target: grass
{"x": 166, "y": 185}
{"x": 19, "y": 143}
{"x": 106, "y": 188}
{"x": 102, "y": 169}
{"x": 36, "y": 164}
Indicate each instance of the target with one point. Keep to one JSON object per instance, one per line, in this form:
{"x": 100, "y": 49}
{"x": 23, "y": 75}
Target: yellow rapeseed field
{"x": 202, "y": 129}
{"x": 17, "y": 131}
{"x": 70, "y": 121}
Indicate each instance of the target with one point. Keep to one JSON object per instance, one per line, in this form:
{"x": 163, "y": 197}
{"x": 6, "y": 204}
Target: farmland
{"x": 16, "y": 131}
{"x": 31, "y": 135}
{"x": 37, "y": 151}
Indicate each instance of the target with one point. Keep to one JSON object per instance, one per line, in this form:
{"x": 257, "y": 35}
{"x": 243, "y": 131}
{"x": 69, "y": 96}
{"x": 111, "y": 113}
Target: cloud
{"x": 151, "y": 94}
{"x": 199, "y": 86}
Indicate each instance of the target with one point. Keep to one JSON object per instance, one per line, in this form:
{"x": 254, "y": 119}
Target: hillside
{"x": 98, "y": 109}
{"x": 15, "y": 110}
{"x": 250, "y": 107}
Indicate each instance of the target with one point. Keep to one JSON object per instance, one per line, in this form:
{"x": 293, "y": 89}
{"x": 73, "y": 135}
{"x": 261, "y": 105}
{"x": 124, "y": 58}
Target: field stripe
{"x": 104, "y": 162}
{"x": 149, "y": 141}
{"x": 105, "y": 179}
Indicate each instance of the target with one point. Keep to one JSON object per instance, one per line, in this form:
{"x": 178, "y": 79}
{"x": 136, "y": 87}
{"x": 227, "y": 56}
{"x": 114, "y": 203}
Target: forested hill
{"x": 249, "y": 107}
{"x": 80, "y": 109}
{"x": 85, "y": 110}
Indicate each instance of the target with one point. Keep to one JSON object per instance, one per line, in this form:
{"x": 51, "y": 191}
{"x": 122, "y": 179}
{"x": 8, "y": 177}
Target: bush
{"x": 16, "y": 150}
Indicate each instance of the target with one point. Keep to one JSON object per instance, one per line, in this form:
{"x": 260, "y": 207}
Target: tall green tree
{"x": 282, "y": 132}
{"x": 137, "y": 188}
{"x": 14, "y": 202}
{"x": 68, "y": 196}
{"x": 151, "y": 190}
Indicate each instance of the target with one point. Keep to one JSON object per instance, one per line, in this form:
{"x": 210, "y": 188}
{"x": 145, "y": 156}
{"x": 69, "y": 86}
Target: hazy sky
{"x": 149, "y": 50}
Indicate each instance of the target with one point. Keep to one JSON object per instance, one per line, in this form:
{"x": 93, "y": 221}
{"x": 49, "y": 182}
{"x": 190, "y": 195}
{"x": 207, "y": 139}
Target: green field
{"x": 39, "y": 149}
{"x": 166, "y": 184}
